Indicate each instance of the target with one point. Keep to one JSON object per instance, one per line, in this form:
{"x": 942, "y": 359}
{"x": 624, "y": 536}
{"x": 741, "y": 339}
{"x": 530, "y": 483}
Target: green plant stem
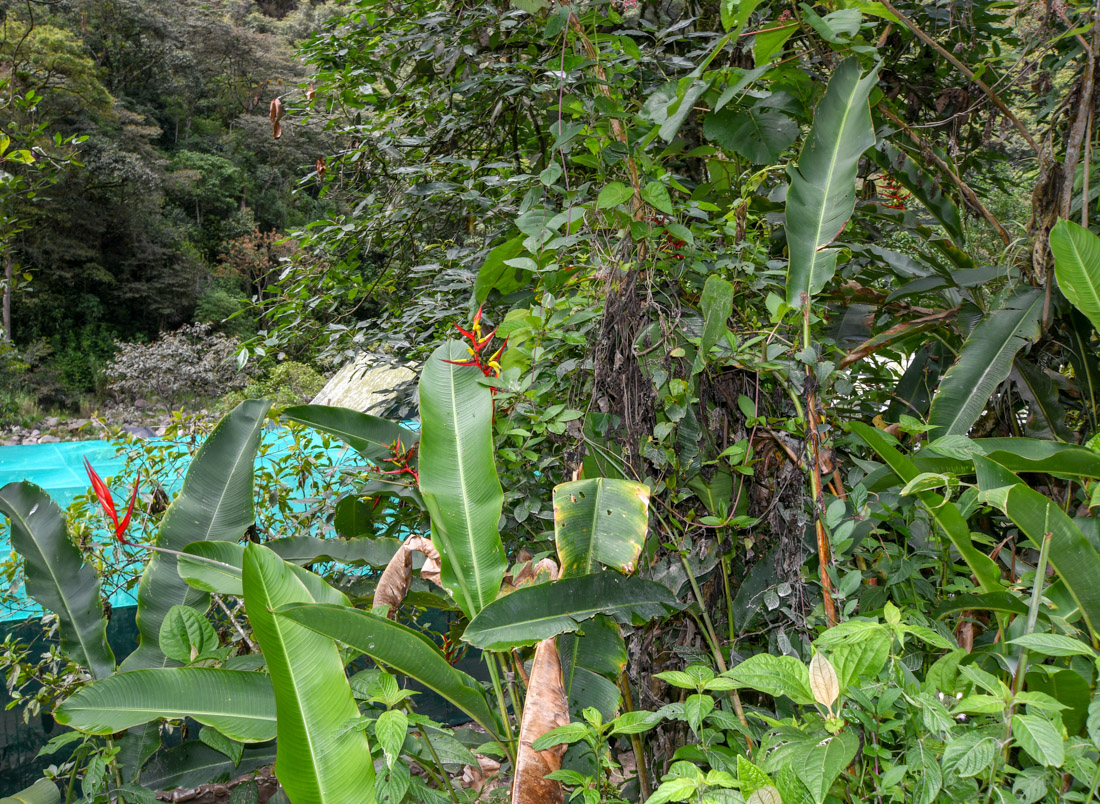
{"x": 517, "y": 706}
{"x": 635, "y": 740}
{"x": 1032, "y": 612}
{"x": 494, "y": 675}
{"x": 439, "y": 764}
{"x": 1093, "y": 784}
{"x": 712, "y": 636}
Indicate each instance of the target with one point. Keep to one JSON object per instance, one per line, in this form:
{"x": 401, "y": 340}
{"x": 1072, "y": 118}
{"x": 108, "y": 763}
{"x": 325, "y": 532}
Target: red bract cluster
{"x": 892, "y": 192}
{"x": 478, "y": 342}
{"x": 103, "y": 494}
{"x": 402, "y": 459}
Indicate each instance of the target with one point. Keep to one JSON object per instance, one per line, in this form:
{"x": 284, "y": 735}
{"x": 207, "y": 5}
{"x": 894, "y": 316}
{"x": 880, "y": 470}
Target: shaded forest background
{"x": 167, "y": 207}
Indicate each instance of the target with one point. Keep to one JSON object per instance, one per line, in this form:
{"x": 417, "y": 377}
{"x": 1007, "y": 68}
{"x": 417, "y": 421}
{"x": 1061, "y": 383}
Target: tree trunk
{"x": 8, "y": 272}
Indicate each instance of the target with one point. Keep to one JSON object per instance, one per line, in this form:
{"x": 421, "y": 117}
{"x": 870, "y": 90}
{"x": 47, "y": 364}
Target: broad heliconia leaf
{"x": 57, "y": 577}
{"x": 822, "y": 195}
{"x": 534, "y": 613}
{"x": 984, "y": 363}
{"x": 41, "y": 792}
{"x": 1071, "y": 554}
{"x": 195, "y": 763}
{"x": 1083, "y": 358}
{"x": 215, "y": 504}
{"x": 1077, "y": 266}
{"x": 923, "y": 187}
{"x": 371, "y": 436}
{"x": 600, "y": 521}
{"x": 717, "y": 305}
{"x": 408, "y": 652}
{"x": 496, "y": 274}
{"x": 1017, "y": 455}
{"x": 216, "y": 566}
{"x": 591, "y": 661}
{"x": 321, "y": 760}
{"x": 236, "y": 703}
{"x": 458, "y": 477}
{"x": 544, "y": 708}
{"x": 945, "y": 512}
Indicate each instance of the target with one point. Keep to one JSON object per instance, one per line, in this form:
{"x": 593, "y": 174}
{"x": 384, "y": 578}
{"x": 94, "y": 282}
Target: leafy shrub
{"x": 288, "y": 383}
{"x": 190, "y": 362}
{"x": 218, "y": 303}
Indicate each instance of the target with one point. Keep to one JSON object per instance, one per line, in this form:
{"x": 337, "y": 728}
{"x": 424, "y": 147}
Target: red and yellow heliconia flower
{"x": 478, "y": 342}
{"x": 103, "y": 494}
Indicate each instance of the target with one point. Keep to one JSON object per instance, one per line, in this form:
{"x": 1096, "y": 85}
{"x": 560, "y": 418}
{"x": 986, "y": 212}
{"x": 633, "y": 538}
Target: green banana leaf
{"x": 236, "y": 703}
{"x": 57, "y": 577}
{"x": 1077, "y": 266}
{"x": 41, "y": 792}
{"x": 534, "y": 613}
{"x": 599, "y": 521}
{"x": 1072, "y": 556}
{"x": 945, "y": 512}
{"x": 322, "y": 758}
{"x": 984, "y": 363}
{"x": 370, "y": 435}
{"x": 216, "y": 566}
{"x": 408, "y": 652}
{"x": 215, "y": 504}
{"x": 458, "y": 477}
{"x": 822, "y": 195}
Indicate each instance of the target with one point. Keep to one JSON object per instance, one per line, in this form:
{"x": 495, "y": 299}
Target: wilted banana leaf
{"x": 215, "y": 504}
{"x": 41, "y": 792}
{"x": 407, "y": 651}
{"x": 57, "y": 577}
{"x": 458, "y": 477}
{"x": 600, "y": 521}
{"x": 544, "y": 708}
{"x": 1077, "y": 266}
{"x": 321, "y": 758}
{"x": 370, "y": 435}
{"x": 945, "y": 512}
{"x": 1048, "y": 417}
{"x": 1086, "y": 366}
{"x": 534, "y": 613}
{"x": 236, "y": 703}
{"x": 822, "y": 194}
{"x": 1071, "y": 554}
{"x": 984, "y": 363}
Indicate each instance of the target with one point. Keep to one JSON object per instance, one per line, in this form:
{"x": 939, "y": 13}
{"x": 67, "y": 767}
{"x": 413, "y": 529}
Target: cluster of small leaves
{"x": 191, "y": 362}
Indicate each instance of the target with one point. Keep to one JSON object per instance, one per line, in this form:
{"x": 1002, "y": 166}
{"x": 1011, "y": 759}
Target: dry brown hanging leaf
{"x": 321, "y": 167}
{"x": 393, "y": 586}
{"x": 823, "y": 681}
{"x": 394, "y": 583}
{"x": 310, "y": 92}
{"x": 431, "y": 568}
{"x": 275, "y": 112}
{"x": 545, "y": 708}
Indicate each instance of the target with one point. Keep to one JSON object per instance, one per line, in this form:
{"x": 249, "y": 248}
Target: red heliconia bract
{"x": 103, "y": 494}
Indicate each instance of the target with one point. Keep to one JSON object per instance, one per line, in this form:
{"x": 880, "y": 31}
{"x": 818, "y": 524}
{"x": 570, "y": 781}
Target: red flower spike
{"x": 466, "y": 333}
{"x": 107, "y": 502}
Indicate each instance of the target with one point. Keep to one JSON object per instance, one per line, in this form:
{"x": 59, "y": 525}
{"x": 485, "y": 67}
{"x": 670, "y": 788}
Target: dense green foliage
{"x": 775, "y": 481}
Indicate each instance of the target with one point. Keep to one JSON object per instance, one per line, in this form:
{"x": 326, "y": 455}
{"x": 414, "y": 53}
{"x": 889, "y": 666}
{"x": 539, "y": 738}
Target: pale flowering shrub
{"x": 191, "y": 362}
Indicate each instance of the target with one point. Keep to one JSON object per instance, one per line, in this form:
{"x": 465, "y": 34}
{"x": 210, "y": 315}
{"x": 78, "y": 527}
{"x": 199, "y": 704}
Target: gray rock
{"x": 49, "y": 439}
